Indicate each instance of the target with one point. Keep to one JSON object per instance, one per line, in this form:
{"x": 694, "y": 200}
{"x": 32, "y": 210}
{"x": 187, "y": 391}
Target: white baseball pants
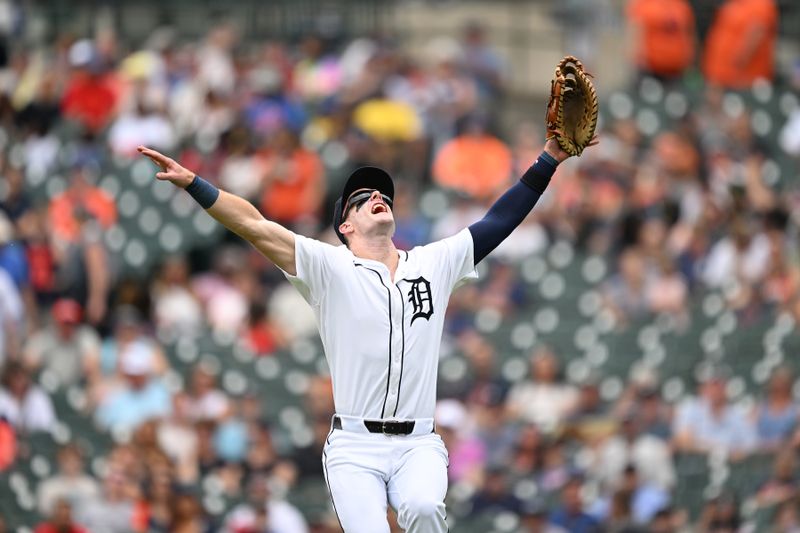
{"x": 367, "y": 471}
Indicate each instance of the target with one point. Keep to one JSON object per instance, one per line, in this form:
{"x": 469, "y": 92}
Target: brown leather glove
{"x": 572, "y": 110}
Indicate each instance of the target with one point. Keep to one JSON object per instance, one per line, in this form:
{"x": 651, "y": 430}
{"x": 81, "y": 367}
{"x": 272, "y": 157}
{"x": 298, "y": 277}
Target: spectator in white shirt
{"x": 25, "y": 405}
{"x": 262, "y": 512}
{"x": 543, "y": 400}
{"x": 650, "y": 455}
{"x": 71, "y": 483}
{"x": 205, "y": 401}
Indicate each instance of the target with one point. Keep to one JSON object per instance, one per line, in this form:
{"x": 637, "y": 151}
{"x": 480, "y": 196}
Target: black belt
{"x": 387, "y": 427}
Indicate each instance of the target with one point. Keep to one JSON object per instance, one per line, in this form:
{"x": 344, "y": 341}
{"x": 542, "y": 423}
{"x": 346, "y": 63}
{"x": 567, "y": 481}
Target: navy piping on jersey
{"x": 391, "y": 327}
{"x": 328, "y": 483}
{"x": 403, "y": 349}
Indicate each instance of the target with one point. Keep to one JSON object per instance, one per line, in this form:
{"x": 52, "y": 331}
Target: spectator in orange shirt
{"x": 81, "y": 199}
{"x": 475, "y": 162}
{"x": 740, "y": 47}
{"x": 77, "y": 218}
{"x": 293, "y": 182}
{"x": 664, "y": 33}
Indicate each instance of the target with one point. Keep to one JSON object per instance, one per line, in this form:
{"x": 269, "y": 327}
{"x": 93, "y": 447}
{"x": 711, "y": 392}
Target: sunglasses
{"x": 359, "y": 199}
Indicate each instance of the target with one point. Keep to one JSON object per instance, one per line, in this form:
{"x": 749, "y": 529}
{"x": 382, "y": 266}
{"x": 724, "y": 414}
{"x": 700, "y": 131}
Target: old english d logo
{"x": 419, "y": 295}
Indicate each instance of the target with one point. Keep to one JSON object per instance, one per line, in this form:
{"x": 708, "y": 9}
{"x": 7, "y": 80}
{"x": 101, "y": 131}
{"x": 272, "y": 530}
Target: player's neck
{"x": 378, "y": 248}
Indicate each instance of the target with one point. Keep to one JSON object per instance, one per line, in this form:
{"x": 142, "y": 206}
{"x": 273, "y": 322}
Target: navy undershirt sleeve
{"x": 510, "y": 210}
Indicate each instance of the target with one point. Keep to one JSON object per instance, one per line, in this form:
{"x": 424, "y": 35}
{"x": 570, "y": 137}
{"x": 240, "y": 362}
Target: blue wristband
{"x": 538, "y": 176}
{"x": 203, "y": 192}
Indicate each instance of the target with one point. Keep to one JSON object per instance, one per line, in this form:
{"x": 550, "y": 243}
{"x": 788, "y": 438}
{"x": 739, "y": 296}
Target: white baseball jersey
{"x": 382, "y": 336}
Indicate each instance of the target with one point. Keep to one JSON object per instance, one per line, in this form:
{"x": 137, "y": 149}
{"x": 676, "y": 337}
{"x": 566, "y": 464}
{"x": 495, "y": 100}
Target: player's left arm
{"x": 510, "y": 210}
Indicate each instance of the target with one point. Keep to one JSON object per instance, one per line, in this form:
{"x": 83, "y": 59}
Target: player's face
{"x": 368, "y": 209}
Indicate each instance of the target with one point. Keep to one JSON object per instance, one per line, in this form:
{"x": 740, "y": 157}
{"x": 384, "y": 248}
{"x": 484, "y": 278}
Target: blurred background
{"x": 627, "y": 361}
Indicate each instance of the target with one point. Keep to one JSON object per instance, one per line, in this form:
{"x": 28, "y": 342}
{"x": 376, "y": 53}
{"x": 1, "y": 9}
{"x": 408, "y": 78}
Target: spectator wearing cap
{"x": 709, "y": 422}
{"x": 60, "y": 520}
{"x": 103, "y": 369}
{"x": 534, "y": 519}
{"x": 570, "y": 513}
{"x": 544, "y": 399}
{"x": 66, "y": 346}
{"x": 71, "y": 483}
{"x": 25, "y": 405}
{"x": 140, "y": 397}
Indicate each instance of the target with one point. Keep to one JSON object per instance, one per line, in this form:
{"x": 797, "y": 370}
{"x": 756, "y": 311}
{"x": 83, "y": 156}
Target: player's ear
{"x": 346, "y": 227}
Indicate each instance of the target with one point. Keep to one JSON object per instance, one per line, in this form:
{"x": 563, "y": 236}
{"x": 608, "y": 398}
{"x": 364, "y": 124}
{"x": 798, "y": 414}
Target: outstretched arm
{"x": 510, "y": 210}
{"x": 233, "y": 212}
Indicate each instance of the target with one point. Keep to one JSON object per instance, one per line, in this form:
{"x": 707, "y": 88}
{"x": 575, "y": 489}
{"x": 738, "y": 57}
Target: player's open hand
{"x": 170, "y": 169}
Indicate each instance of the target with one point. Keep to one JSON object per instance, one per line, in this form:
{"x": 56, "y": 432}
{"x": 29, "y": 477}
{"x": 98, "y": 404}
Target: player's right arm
{"x": 237, "y": 214}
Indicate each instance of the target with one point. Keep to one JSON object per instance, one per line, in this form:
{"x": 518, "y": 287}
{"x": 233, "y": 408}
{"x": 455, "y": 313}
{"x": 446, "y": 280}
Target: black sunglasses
{"x": 357, "y": 200}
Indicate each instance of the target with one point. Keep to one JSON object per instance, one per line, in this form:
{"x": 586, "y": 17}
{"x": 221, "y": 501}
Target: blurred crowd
{"x": 688, "y": 210}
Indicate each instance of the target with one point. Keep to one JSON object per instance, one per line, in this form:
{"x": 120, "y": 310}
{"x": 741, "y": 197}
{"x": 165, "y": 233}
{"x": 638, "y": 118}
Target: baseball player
{"x": 380, "y": 313}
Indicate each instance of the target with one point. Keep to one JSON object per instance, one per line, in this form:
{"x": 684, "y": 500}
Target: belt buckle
{"x": 384, "y": 427}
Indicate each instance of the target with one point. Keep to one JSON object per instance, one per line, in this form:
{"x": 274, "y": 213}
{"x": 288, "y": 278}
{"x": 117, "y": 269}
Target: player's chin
{"x": 384, "y": 221}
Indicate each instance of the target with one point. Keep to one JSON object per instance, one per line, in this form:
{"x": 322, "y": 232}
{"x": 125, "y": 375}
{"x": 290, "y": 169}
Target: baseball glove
{"x": 572, "y": 109}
